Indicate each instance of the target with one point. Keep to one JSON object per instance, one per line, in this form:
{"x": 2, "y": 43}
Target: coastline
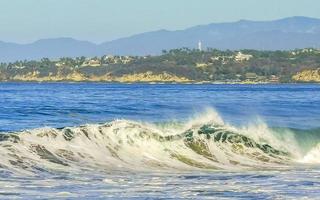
{"x": 178, "y": 66}
{"x": 163, "y": 82}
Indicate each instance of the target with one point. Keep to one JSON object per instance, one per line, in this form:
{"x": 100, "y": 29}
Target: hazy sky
{"x": 102, "y": 20}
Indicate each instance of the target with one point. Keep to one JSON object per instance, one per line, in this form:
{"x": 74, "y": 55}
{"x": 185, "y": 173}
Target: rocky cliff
{"x": 126, "y": 78}
{"x": 308, "y": 76}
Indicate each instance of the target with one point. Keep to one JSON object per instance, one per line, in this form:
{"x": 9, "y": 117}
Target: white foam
{"x": 313, "y": 156}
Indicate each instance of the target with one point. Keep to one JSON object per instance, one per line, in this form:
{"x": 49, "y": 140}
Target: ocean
{"x": 159, "y": 141}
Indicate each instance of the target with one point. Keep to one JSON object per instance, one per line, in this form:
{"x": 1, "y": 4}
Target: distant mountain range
{"x": 283, "y": 34}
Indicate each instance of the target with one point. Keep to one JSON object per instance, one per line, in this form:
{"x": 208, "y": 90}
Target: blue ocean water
{"x": 33, "y": 105}
{"x": 141, "y": 141}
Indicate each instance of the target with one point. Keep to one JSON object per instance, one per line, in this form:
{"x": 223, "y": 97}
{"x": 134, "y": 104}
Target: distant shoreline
{"x": 177, "y": 66}
{"x": 165, "y": 83}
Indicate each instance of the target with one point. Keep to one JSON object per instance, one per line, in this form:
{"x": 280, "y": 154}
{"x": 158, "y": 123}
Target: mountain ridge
{"x": 282, "y": 34}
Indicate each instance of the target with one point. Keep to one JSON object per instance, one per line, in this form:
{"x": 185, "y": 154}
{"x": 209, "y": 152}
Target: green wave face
{"x": 238, "y": 143}
{"x": 306, "y": 138}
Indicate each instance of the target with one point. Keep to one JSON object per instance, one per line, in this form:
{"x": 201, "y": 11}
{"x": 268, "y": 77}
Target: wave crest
{"x": 130, "y": 145}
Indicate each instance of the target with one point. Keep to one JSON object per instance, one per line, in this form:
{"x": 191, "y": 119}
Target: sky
{"x": 25, "y": 21}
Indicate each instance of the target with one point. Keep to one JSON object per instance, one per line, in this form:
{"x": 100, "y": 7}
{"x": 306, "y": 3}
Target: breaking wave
{"x": 205, "y": 142}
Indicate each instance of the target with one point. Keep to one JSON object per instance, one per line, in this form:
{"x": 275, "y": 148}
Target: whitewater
{"x": 179, "y": 149}
{"x": 206, "y": 143}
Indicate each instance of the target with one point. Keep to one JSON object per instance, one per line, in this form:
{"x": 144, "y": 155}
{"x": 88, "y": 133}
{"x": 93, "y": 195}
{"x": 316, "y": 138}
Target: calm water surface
{"x": 32, "y": 105}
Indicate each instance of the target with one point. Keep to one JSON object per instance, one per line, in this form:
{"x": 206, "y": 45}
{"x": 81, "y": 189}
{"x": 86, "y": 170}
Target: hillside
{"x": 178, "y": 65}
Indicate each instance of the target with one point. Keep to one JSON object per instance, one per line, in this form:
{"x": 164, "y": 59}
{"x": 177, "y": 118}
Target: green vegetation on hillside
{"x": 178, "y": 65}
